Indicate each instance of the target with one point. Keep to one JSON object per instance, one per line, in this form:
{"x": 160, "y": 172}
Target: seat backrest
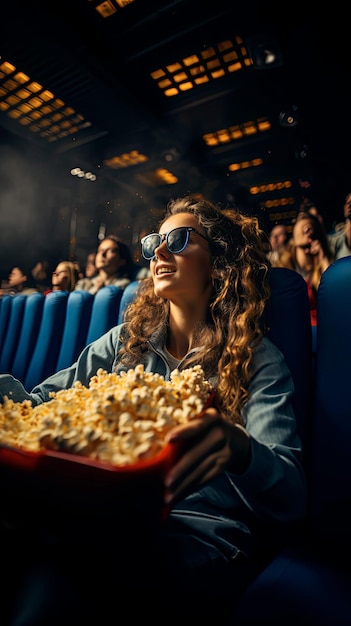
{"x": 127, "y": 297}
{"x": 288, "y": 323}
{"x": 331, "y": 453}
{"x": 104, "y": 314}
{"x": 47, "y": 347}
{"x": 31, "y": 320}
{"x": 11, "y": 338}
{"x": 5, "y": 312}
{"x": 78, "y": 313}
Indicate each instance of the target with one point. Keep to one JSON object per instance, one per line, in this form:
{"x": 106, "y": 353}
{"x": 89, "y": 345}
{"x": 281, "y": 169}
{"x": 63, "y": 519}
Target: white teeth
{"x": 164, "y": 270}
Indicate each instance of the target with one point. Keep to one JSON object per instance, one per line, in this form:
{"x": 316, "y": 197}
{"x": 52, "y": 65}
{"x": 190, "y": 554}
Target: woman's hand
{"x": 316, "y": 250}
{"x": 211, "y": 445}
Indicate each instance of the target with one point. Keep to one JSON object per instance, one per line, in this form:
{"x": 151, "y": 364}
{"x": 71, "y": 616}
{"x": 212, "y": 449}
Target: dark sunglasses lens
{"x": 149, "y": 245}
{"x": 177, "y": 240}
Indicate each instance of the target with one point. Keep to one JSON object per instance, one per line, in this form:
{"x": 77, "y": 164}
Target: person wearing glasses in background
{"x": 340, "y": 238}
{"x": 64, "y": 277}
{"x": 114, "y": 266}
{"x": 309, "y": 254}
{"x": 20, "y": 280}
{"x": 239, "y": 485}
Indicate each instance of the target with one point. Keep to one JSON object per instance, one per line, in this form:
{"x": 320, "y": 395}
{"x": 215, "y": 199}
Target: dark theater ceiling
{"x": 244, "y": 102}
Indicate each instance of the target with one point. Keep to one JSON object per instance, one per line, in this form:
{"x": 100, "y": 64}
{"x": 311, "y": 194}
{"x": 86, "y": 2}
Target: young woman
{"x": 308, "y": 253}
{"x": 114, "y": 265}
{"x": 239, "y": 484}
{"x": 64, "y": 277}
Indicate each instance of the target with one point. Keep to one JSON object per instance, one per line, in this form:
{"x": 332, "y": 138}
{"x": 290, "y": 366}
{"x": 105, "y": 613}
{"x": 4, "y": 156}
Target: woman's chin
{"x": 162, "y": 288}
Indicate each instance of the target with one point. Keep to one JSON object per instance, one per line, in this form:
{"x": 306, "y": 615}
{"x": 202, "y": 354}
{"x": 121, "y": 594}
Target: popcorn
{"x": 119, "y": 418}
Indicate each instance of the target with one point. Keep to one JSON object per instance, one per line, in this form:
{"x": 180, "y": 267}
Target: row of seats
{"x": 40, "y": 335}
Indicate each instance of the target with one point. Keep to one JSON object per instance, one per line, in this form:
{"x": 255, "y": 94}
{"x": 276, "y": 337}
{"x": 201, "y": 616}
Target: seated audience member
{"x": 90, "y": 268}
{"x": 307, "y": 206}
{"x": 114, "y": 265}
{"x": 278, "y": 238}
{"x": 4, "y": 288}
{"x": 238, "y": 487}
{"x": 64, "y": 277}
{"x": 41, "y": 275}
{"x": 340, "y": 239}
{"x": 21, "y": 281}
{"x": 308, "y": 253}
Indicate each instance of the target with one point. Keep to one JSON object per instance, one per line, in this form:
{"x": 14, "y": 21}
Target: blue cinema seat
{"x": 289, "y": 327}
{"x": 10, "y": 341}
{"x": 78, "y": 313}
{"x": 309, "y": 581}
{"x": 47, "y": 347}
{"x": 5, "y": 313}
{"x": 104, "y": 314}
{"x": 127, "y": 297}
{"x": 331, "y": 452}
{"x": 28, "y": 335}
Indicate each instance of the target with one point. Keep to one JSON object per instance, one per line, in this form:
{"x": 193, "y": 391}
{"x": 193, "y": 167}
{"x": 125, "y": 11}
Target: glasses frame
{"x": 165, "y": 237}
{"x": 58, "y": 273}
{"x": 111, "y": 249}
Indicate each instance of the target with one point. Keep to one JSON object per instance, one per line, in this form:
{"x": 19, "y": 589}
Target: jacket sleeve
{"x": 99, "y": 354}
{"x": 274, "y": 485}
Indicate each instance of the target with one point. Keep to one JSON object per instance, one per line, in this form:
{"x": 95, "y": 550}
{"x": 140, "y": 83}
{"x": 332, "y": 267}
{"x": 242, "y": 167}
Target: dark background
{"x": 101, "y": 68}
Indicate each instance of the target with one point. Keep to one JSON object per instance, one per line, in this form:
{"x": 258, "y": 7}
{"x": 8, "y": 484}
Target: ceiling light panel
{"x": 199, "y": 68}
{"x": 33, "y": 106}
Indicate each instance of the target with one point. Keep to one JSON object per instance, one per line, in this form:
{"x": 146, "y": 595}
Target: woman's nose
{"x": 162, "y": 250}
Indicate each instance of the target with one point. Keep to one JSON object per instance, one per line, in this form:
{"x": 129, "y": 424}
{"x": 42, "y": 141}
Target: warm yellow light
{"x": 175, "y": 67}
{"x": 35, "y": 87}
{"x": 201, "y": 80}
{"x": 180, "y": 77}
{"x": 171, "y": 92}
{"x": 21, "y": 78}
{"x": 23, "y": 94}
{"x": 157, "y": 74}
{"x": 12, "y": 100}
{"x": 105, "y": 9}
{"x": 234, "y": 67}
{"x": 207, "y": 54}
{"x": 47, "y": 95}
{"x": 191, "y": 60}
{"x": 24, "y": 108}
{"x": 7, "y": 67}
{"x": 186, "y": 86}
{"x": 10, "y": 84}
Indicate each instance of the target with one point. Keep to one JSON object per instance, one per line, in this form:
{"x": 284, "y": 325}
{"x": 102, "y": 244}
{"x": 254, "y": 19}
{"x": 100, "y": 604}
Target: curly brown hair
{"x": 227, "y": 338}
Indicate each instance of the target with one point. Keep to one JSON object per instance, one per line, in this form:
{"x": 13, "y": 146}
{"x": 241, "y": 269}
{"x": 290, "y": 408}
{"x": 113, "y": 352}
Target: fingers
{"x": 194, "y": 427}
{"x": 206, "y": 453}
{"x": 316, "y": 247}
